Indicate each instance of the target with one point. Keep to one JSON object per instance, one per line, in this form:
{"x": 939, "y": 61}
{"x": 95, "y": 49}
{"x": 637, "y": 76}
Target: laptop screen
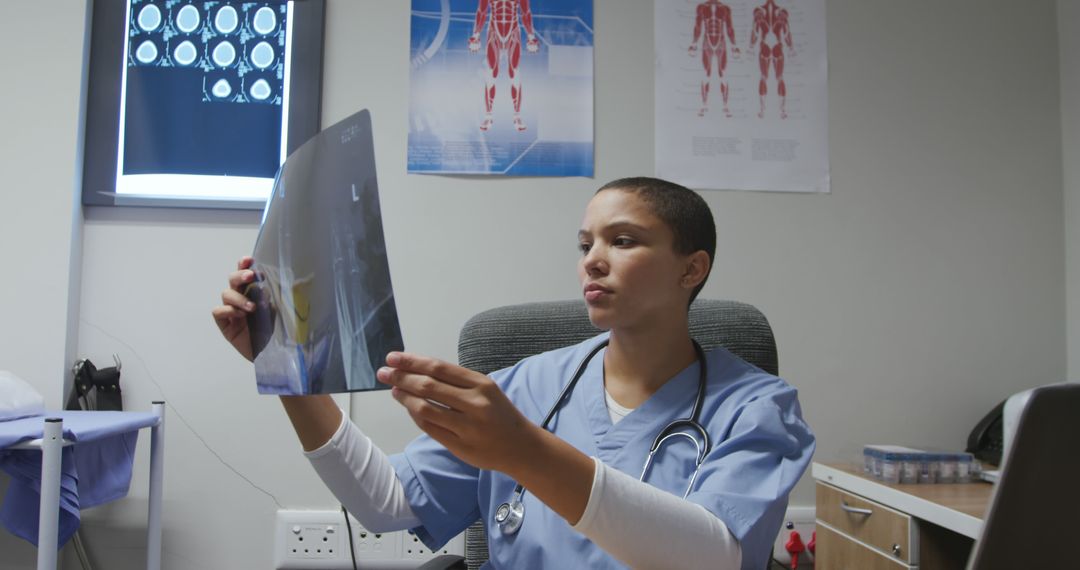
{"x": 1031, "y": 521}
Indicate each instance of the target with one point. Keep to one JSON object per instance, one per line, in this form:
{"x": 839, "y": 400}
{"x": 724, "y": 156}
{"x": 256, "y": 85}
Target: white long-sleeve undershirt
{"x": 646, "y": 527}
{"x": 636, "y": 523}
{"x": 361, "y": 477}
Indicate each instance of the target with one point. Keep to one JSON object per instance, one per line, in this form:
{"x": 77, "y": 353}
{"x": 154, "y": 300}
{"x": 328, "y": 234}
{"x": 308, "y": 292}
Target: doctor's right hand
{"x": 231, "y": 315}
{"x": 464, "y": 410}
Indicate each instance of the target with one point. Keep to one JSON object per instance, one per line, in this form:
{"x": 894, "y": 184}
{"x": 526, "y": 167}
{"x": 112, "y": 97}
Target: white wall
{"x": 927, "y": 287}
{"x": 1068, "y": 20}
{"x": 40, "y": 220}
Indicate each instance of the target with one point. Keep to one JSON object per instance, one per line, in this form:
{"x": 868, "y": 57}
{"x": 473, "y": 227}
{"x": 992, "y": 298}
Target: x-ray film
{"x": 325, "y": 315}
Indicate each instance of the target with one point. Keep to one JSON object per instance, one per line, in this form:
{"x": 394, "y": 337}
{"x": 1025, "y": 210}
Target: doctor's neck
{"x": 639, "y": 361}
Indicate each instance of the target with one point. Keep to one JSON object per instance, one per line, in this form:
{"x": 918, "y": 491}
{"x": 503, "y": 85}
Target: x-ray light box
{"x": 197, "y": 104}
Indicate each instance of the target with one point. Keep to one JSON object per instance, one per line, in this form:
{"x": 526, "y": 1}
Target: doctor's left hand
{"x": 461, "y": 409}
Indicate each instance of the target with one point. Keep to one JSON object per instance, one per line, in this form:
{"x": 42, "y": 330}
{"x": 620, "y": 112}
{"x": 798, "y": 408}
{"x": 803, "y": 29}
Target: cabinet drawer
{"x": 880, "y": 527}
{"x": 837, "y": 552}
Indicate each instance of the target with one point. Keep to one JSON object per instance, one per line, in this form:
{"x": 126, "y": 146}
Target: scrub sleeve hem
{"x": 425, "y": 510}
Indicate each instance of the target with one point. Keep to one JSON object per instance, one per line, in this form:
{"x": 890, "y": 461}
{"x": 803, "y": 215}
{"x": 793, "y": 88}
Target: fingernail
{"x": 249, "y": 306}
{"x": 383, "y": 374}
{"x": 393, "y": 359}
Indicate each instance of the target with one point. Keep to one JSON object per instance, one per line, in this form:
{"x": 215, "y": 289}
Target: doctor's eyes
{"x": 620, "y": 241}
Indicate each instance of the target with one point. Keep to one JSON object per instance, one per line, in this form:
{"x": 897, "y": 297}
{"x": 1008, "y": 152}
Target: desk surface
{"x": 957, "y": 507}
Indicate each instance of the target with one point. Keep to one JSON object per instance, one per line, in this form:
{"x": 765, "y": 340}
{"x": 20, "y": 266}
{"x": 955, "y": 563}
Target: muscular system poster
{"x": 501, "y": 87}
{"x": 742, "y": 94}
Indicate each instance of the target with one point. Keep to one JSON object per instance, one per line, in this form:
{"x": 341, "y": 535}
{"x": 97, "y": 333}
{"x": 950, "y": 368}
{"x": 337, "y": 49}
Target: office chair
{"x": 1032, "y": 520}
{"x": 500, "y": 337}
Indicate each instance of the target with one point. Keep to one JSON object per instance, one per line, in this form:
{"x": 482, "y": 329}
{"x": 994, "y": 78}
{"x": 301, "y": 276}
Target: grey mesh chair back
{"x": 498, "y": 338}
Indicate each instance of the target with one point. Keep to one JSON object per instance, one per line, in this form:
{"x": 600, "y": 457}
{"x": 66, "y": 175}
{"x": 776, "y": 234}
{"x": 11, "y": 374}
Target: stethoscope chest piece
{"x": 510, "y": 515}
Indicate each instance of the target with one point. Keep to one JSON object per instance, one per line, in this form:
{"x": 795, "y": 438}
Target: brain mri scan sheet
{"x": 325, "y": 315}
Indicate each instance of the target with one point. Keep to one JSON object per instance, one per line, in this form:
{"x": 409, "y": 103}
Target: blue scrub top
{"x": 760, "y": 448}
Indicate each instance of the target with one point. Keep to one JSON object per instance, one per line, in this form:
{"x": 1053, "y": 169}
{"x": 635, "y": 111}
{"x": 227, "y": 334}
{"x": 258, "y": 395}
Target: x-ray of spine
{"x": 325, "y": 315}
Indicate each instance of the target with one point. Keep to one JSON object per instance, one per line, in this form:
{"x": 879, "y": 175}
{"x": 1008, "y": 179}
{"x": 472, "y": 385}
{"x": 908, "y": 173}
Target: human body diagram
{"x": 503, "y": 39}
{"x": 712, "y": 25}
{"x": 771, "y": 32}
{"x": 714, "y": 37}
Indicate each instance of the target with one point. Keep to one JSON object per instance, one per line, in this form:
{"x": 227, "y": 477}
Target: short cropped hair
{"x": 681, "y": 209}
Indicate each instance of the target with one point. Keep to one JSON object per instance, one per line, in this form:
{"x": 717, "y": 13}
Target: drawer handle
{"x": 855, "y": 510}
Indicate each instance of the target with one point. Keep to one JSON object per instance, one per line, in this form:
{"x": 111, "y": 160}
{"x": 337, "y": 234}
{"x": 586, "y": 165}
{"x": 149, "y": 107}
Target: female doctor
{"x": 553, "y": 453}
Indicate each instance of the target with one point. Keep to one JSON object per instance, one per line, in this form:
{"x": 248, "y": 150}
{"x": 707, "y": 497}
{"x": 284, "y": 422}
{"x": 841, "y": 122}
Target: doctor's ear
{"x": 697, "y": 269}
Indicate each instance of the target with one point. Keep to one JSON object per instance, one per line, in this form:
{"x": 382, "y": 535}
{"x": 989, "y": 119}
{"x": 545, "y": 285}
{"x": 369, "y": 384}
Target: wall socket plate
{"x": 310, "y": 539}
{"x": 802, "y": 519}
{"x": 398, "y": 550}
{"x": 319, "y": 539}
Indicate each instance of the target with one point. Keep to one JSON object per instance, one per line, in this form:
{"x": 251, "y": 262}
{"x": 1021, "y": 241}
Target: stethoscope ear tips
{"x": 509, "y": 516}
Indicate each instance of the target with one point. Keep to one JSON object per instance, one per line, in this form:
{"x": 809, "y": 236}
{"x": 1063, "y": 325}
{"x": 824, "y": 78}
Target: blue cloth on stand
{"x": 93, "y": 472}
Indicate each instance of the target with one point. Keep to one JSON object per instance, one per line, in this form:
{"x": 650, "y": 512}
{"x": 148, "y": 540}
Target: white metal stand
{"x": 157, "y": 471}
{"x": 51, "y": 445}
{"x": 52, "y": 442}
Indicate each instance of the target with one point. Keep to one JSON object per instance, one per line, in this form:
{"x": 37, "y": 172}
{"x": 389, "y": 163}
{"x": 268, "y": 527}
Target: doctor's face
{"x": 629, "y": 270}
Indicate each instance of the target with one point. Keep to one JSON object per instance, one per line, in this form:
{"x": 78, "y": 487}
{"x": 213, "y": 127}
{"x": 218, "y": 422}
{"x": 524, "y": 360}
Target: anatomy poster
{"x": 501, "y": 87}
{"x": 742, "y": 94}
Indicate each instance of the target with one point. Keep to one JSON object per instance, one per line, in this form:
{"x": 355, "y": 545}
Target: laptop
{"x": 325, "y": 314}
{"x": 1032, "y": 520}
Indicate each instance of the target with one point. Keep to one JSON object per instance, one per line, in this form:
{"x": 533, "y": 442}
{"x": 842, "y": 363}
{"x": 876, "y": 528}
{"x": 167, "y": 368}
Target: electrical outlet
{"x": 399, "y": 549}
{"x": 413, "y": 549}
{"x": 310, "y": 539}
{"x": 320, "y": 539}
{"x": 370, "y": 545}
{"x": 801, "y": 520}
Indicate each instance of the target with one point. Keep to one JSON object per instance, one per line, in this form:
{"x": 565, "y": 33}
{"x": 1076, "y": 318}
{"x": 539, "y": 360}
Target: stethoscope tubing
{"x": 510, "y": 515}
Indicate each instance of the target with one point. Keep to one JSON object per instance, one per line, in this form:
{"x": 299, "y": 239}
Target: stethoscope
{"x": 510, "y": 515}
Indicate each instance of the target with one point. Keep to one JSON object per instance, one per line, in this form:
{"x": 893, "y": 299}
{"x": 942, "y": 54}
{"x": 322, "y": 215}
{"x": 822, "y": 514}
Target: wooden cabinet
{"x": 863, "y": 524}
{"x": 853, "y": 532}
{"x": 835, "y": 550}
